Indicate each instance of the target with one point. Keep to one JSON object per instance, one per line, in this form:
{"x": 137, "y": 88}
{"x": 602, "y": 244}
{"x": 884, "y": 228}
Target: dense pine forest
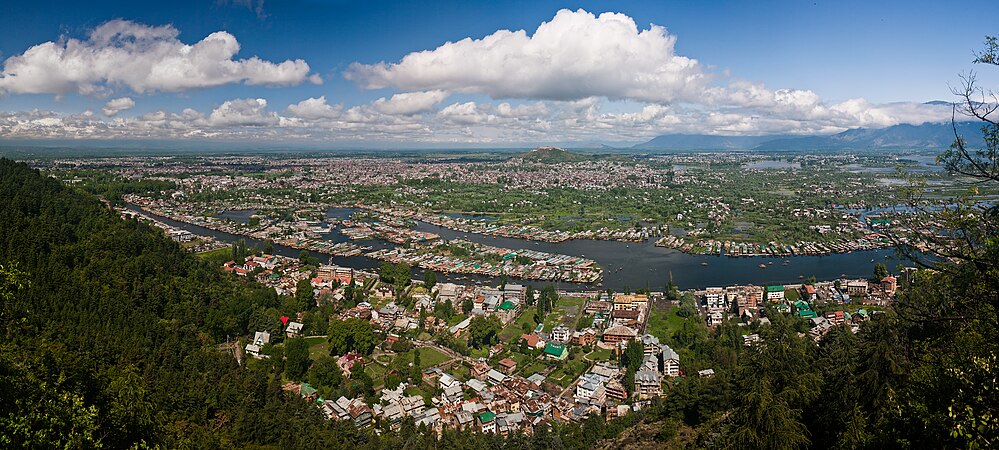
{"x": 112, "y": 333}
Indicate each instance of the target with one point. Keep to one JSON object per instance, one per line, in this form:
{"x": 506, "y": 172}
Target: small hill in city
{"x": 552, "y": 155}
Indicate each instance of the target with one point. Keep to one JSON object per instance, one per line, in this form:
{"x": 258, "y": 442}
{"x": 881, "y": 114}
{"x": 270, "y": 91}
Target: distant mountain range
{"x": 928, "y": 135}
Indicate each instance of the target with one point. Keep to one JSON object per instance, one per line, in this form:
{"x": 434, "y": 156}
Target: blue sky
{"x": 827, "y": 54}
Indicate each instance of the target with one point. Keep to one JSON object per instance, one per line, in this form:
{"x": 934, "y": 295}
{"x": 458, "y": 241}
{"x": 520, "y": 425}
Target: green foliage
{"x": 297, "y": 358}
{"x": 325, "y": 373}
{"x": 880, "y": 271}
{"x": 351, "y": 335}
{"x": 484, "y": 331}
{"x": 304, "y": 295}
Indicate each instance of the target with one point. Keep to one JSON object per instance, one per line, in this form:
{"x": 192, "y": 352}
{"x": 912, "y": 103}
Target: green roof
{"x": 775, "y": 288}
{"x": 806, "y": 313}
{"x": 801, "y": 304}
{"x": 506, "y": 306}
{"x": 554, "y": 349}
{"x": 307, "y": 389}
{"x": 487, "y": 416}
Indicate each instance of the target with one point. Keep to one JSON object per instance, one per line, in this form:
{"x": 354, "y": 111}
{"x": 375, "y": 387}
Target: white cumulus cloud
{"x": 143, "y": 58}
{"x": 243, "y": 112}
{"x": 118, "y": 105}
{"x": 574, "y": 56}
{"x": 409, "y": 103}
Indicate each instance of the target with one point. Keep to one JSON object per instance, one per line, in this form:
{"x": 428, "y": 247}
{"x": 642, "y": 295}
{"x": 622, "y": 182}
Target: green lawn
{"x": 599, "y": 354}
{"x": 532, "y": 368}
{"x": 791, "y": 295}
{"x": 430, "y": 357}
{"x": 221, "y": 253}
{"x": 318, "y": 346}
{"x": 375, "y": 371}
{"x": 512, "y": 332}
{"x": 663, "y": 322}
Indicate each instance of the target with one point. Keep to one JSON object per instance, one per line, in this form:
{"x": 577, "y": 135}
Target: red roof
{"x": 532, "y": 339}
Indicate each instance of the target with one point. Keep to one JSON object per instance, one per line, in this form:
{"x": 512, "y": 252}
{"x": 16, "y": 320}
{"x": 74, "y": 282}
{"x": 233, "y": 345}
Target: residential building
{"x": 619, "y": 333}
{"x": 561, "y": 334}
{"x": 556, "y": 351}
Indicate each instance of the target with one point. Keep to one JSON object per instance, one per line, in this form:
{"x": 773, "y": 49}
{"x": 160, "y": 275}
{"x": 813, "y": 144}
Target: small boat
{"x": 763, "y": 266}
{"x": 801, "y": 277}
{"x": 705, "y": 263}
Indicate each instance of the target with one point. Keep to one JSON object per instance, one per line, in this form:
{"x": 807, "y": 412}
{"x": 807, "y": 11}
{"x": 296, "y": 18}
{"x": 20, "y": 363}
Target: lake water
{"x": 632, "y": 265}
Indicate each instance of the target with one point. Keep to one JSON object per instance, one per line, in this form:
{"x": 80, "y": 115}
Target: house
{"x": 598, "y": 307}
{"x": 260, "y": 339}
{"x": 706, "y": 373}
{"x": 495, "y": 377}
{"x": 619, "y": 333}
{"x": 461, "y": 326}
{"x": 453, "y": 394}
{"x": 625, "y": 316}
{"x": 630, "y": 302}
{"x": 532, "y": 340}
{"x": 856, "y": 287}
{"x": 487, "y": 422}
{"x": 346, "y": 362}
{"x": 354, "y": 410}
{"x": 714, "y": 297}
{"x": 835, "y": 317}
{"x": 477, "y": 385}
{"x": 650, "y": 344}
{"x": 775, "y": 293}
{"x": 308, "y": 392}
{"x": 556, "y": 351}
{"x": 514, "y": 292}
{"x": 648, "y": 384}
{"x": 508, "y": 366}
{"x": 294, "y": 329}
{"x": 889, "y": 285}
{"x": 480, "y": 369}
{"x": 810, "y": 293}
{"x": 616, "y": 390}
{"x": 585, "y": 337}
{"x": 561, "y": 334}
{"x": 670, "y": 360}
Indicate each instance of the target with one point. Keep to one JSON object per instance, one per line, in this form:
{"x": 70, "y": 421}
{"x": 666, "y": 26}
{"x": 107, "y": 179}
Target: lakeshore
{"x": 626, "y": 265}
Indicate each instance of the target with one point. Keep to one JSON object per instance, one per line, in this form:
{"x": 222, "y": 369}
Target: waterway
{"x": 626, "y": 265}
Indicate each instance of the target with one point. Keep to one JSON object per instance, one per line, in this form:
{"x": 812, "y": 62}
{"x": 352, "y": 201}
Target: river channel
{"x": 626, "y": 264}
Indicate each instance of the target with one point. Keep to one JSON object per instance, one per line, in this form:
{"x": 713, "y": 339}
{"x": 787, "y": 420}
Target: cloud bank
{"x": 143, "y": 58}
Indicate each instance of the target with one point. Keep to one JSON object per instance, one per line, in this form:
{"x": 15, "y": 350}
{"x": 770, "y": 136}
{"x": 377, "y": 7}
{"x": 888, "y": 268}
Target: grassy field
{"x": 791, "y": 295}
{"x": 599, "y": 354}
{"x": 222, "y": 253}
{"x": 318, "y": 346}
{"x": 566, "y": 312}
{"x": 663, "y": 322}
{"x": 512, "y": 332}
{"x": 430, "y": 357}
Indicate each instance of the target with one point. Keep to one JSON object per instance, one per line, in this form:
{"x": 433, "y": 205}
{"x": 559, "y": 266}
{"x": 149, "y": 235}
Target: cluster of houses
{"x": 746, "y": 302}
